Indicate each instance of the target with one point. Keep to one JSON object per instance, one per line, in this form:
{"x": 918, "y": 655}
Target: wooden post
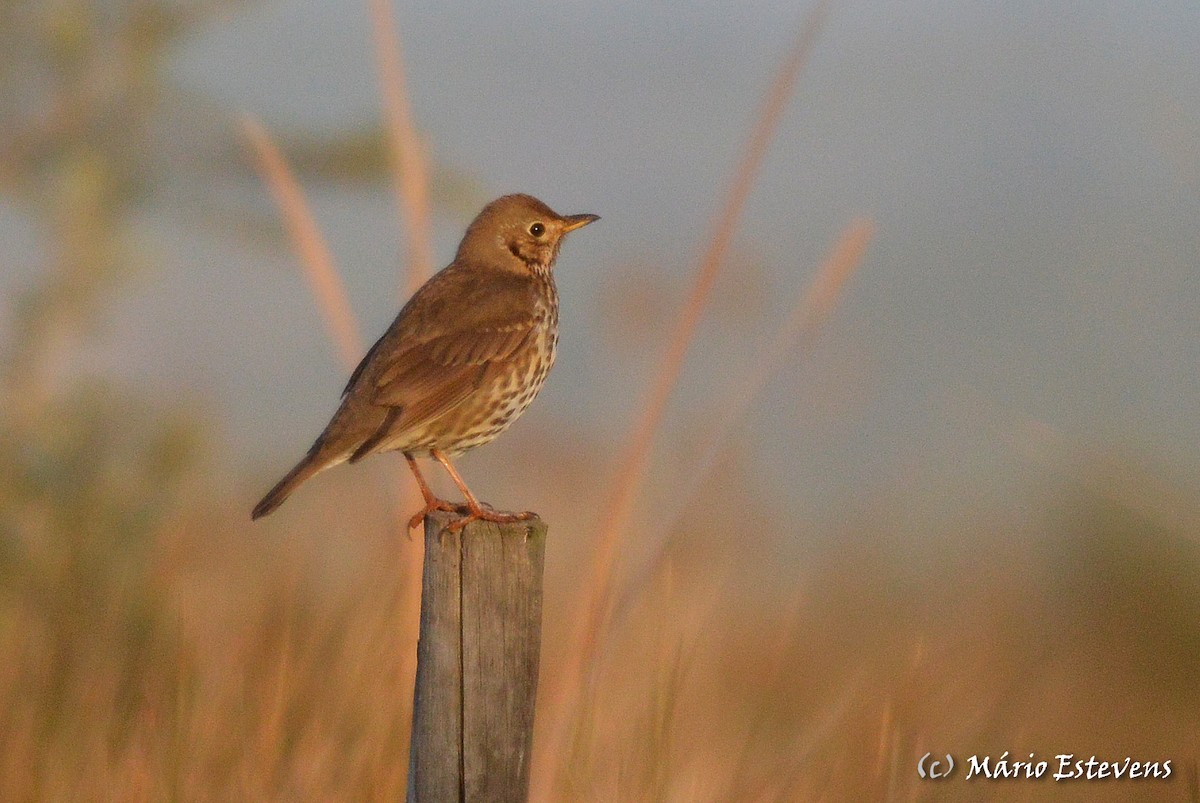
{"x": 477, "y": 661}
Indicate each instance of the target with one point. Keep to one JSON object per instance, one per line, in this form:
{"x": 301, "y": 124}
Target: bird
{"x": 462, "y": 360}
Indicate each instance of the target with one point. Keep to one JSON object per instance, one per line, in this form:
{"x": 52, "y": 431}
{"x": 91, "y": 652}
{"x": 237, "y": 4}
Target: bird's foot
{"x": 487, "y": 513}
{"x": 431, "y": 505}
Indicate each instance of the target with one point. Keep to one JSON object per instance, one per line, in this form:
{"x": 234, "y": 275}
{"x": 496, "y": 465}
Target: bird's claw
{"x": 488, "y": 514}
{"x": 430, "y": 506}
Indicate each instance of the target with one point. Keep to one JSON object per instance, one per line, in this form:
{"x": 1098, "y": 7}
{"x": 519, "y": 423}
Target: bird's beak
{"x": 572, "y": 222}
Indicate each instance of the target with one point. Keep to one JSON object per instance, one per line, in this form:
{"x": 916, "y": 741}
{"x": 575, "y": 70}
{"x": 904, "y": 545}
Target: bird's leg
{"x": 476, "y": 511}
{"x": 432, "y": 503}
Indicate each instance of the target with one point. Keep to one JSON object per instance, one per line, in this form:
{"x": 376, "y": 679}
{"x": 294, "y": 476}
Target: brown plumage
{"x": 463, "y": 359}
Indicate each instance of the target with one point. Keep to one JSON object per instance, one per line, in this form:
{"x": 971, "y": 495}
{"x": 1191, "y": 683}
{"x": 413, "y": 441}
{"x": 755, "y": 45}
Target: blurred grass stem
{"x": 409, "y": 168}
{"x": 636, "y": 456}
{"x": 797, "y": 332}
{"x": 326, "y": 283}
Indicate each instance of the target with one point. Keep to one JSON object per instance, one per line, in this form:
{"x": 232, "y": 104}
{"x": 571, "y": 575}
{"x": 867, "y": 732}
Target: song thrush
{"x": 463, "y": 359}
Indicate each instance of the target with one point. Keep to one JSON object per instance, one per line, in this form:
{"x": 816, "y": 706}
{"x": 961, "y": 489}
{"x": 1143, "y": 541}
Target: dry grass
{"x": 248, "y": 666}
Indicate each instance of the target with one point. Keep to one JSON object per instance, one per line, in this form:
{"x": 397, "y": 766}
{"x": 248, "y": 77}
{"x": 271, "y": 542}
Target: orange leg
{"x": 476, "y": 511}
{"x": 432, "y": 503}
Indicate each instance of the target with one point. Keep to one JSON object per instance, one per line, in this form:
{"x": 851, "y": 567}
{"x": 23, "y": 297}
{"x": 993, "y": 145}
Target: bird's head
{"x": 519, "y": 233}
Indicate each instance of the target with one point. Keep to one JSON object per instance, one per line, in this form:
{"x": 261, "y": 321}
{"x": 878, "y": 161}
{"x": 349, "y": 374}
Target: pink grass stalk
{"x": 328, "y": 289}
{"x": 798, "y": 331}
{"x": 409, "y": 168}
{"x": 636, "y": 456}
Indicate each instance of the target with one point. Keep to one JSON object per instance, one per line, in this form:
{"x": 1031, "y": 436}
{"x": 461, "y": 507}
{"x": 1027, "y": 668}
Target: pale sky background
{"x": 1033, "y": 169}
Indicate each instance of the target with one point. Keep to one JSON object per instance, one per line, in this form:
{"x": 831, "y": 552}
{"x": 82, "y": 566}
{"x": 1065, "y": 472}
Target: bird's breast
{"x": 506, "y": 393}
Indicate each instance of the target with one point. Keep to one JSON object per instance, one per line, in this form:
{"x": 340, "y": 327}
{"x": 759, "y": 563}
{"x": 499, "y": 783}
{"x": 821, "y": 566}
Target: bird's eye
{"x": 537, "y": 229}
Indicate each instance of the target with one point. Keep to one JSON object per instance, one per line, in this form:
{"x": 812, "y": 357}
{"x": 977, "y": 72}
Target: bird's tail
{"x": 313, "y": 463}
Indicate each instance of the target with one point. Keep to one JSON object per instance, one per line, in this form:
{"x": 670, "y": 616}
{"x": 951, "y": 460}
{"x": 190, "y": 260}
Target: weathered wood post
{"x": 477, "y": 661}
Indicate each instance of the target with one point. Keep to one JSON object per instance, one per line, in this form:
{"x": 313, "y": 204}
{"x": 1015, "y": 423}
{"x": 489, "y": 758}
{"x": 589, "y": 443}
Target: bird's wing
{"x": 433, "y": 376}
{"x": 444, "y": 342}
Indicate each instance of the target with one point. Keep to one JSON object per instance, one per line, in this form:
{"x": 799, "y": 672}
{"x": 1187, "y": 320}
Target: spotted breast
{"x": 506, "y": 394}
